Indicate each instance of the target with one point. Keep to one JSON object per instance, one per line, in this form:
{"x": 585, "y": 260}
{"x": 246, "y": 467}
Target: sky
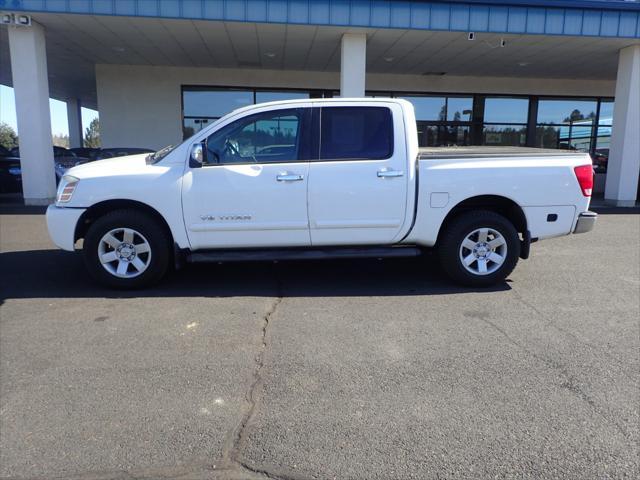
{"x": 58, "y": 109}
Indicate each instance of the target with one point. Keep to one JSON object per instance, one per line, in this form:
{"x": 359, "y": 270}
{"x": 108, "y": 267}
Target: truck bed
{"x": 431, "y": 153}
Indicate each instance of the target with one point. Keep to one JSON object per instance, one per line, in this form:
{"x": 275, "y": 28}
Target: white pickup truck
{"x": 314, "y": 179}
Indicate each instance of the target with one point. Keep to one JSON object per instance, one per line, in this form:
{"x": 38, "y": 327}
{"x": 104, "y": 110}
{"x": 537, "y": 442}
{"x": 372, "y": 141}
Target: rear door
{"x": 358, "y": 184}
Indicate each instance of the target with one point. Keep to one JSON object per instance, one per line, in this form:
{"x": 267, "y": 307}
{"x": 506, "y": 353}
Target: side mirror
{"x": 196, "y": 157}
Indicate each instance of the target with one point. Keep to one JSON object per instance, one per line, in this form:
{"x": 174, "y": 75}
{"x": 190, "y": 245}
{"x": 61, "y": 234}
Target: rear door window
{"x": 356, "y": 133}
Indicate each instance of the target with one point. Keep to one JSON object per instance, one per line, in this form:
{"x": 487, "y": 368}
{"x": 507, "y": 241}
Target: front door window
{"x": 270, "y": 137}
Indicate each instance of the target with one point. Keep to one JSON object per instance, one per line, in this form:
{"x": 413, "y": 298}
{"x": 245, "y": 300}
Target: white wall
{"x": 140, "y": 106}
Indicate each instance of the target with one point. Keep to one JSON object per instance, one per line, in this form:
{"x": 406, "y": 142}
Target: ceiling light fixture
{"x": 389, "y": 59}
{"x": 270, "y": 54}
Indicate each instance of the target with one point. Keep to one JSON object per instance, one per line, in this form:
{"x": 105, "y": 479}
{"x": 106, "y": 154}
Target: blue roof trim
{"x": 589, "y": 4}
{"x": 512, "y": 16}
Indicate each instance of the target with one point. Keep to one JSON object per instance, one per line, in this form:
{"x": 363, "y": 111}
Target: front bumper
{"x": 586, "y": 222}
{"x": 61, "y": 223}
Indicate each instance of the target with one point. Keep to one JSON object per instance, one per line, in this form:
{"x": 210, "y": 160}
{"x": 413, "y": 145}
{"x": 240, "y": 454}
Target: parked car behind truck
{"x": 354, "y": 184}
{"x": 11, "y": 169}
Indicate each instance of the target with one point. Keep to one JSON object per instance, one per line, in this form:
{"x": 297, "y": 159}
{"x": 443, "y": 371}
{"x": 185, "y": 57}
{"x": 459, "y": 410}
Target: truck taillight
{"x": 584, "y": 174}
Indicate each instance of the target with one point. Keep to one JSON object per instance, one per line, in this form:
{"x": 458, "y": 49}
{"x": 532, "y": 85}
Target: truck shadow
{"x": 59, "y": 274}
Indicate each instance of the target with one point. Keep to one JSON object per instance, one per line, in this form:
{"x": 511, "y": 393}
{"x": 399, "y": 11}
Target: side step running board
{"x": 253, "y": 255}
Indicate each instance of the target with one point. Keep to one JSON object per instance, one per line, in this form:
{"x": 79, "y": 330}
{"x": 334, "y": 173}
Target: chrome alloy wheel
{"x": 483, "y": 251}
{"x": 124, "y": 252}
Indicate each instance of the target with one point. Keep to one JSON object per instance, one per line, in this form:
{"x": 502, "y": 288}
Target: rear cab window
{"x": 356, "y": 133}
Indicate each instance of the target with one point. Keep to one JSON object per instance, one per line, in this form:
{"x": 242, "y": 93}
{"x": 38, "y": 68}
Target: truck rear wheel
{"x": 126, "y": 249}
{"x": 479, "y": 248}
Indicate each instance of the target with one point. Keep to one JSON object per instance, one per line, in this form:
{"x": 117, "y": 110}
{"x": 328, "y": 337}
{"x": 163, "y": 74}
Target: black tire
{"x": 455, "y": 233}
{"x": 156, "y": 236}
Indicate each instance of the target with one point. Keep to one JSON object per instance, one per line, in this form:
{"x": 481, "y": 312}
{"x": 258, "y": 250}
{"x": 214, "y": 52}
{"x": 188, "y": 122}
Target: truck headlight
{"x": 66, "y": 188}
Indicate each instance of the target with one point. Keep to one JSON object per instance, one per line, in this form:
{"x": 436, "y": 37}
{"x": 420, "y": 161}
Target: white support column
{"x": 31, "y": 88}
{"x": 624, "y": 158}
{"x": 353, "y": 65}
{"x": 74, "y": 119}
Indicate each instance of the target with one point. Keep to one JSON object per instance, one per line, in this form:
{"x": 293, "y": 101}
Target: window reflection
{"x": 268, "y": 137}
{"x": 443, "y": 121}
{"x": 202, "y": 105}
{"x": 459, "y": 109}
{"x": 505, "y": 135}
{"x": 582, "y": 124}
{"x": 606, "y": 113}
{"x": 505, "y": 121}
{"x": 570, "y": 124}
{"x": 557, "y": 111}
{"x": 506, "y": 110}
{"x": 214, "y": 103}
{"x": 600, "y": 154}
{"x": 430, "y": 135}
{"x": 428, "y": 108}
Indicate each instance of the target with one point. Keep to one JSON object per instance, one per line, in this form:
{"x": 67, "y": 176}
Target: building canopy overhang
{"x": 77, "y": 42}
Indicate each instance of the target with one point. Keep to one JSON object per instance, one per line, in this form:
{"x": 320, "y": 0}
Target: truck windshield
{"x": 155, "y": 157}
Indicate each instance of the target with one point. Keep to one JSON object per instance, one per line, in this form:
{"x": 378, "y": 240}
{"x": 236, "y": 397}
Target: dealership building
{"x": 537, "y": 73}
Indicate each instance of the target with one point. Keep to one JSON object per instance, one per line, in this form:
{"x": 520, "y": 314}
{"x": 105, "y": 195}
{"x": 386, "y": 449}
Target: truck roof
{"x": 429, "y": 153}
{"x": 297, "y": 101}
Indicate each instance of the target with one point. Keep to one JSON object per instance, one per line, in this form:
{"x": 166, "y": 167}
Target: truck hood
{"x": 128, "y": 165}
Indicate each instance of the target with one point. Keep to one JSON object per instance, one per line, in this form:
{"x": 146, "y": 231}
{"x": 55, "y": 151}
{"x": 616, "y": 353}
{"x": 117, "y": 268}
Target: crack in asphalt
{"x": 570, "y": 382}
{"x": 231, "y": 458}
{"x": 231, "y": 462}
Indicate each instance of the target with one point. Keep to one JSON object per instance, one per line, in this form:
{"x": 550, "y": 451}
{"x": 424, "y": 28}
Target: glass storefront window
{"x": 506, "y": 110}
{"x": 443, "y": 120}
{"x": 562, "y": 111}
{"x": 564, "y": 137}
{"x": 606, "y": 112}
{"x": 601, "y": 153}
{"x": 429, "y": 108}
{"x": 505, "y": 135}
{"x": 214, "y": 103}
{"x": 191, "y": 126}
{"x": 443, "y": 135}
{"x": 202, "y": 106}
{"x": 459, "y": 109}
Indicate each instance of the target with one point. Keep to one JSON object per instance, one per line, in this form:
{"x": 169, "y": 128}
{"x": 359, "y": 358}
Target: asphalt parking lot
{"x": 346, "y": 370}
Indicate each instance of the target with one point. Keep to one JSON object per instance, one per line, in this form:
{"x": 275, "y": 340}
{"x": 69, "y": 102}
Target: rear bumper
{"x": 61, "y": 223}
{"x": 586, "y": 222}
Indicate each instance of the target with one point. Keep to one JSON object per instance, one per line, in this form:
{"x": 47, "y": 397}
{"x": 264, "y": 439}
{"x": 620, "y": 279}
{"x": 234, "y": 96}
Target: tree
{"x": 61, "y": 140}
{"x": 8, "y": 136}
{"x": 575, "y": 116}
{"x": 443, "y": 113}
{"x": 92, "y": 134}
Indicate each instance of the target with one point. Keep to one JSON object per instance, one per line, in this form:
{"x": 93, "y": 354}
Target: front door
{"x": 358, "y": 185}
{"x": 251, "y": 190}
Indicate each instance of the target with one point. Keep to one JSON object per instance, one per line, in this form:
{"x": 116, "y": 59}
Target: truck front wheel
{"x": 479, "y": 248}
{"x": 126, "y": 249}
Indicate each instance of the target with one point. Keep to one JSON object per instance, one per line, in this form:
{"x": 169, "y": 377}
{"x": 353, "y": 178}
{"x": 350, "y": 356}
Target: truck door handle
{"x": 384, "y": 173}
{"x": 289, "y": 177}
